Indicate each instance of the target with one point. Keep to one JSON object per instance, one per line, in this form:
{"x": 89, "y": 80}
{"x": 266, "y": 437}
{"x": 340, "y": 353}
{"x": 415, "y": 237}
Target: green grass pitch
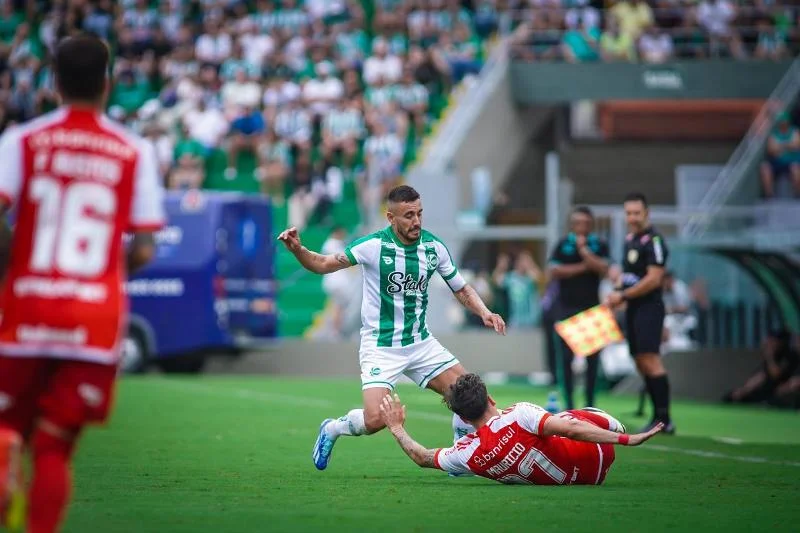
{"x": 233, "y": 455}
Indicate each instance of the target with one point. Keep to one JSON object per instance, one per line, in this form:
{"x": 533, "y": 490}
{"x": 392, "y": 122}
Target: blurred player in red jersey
{"x": 523, "y": 444}
{"x": 79, "y": 182}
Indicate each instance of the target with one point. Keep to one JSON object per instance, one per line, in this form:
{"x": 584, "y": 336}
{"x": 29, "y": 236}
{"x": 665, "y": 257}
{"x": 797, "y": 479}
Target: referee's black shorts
{"x": 644, "y": 322}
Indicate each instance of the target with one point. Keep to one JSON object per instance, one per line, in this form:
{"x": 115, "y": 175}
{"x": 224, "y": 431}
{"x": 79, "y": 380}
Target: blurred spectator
{"x": 717, "y": 17}
{"x": 342, "y": 128}
{"x": 460, "y": 51}
{"x": 244, "y": 134}
{"x": 581, "y": 45}
{"x": 783, "y": 156}
{"x": 206, "y": 124}
{"x": 188, "y": 170}
{"x": 655, "y": 46}
{"x": 615, "y": 45}
{"x": 633, "y": 17}
{"x": 293, "y": 125}
{"x": 582, "y": 15}
{"x": 771, "y": 44}
{"x": 679, "y": 321}
{"x": 320, "y": 94}
{"x": 214, "y": 46}
{"x": 779, "y": 361}
{"x": 412, "y": 97}
{"x": 521, "y": 284}
{"x": 337, "y": 286}
{"x": 306, "y": 193}
{"x": 274, "y": 164}
{"x": 383, "y": 154}
{"x": 351, "y": 46}
{"x": 240, "y": 92}
{"x": 382, "y": 65}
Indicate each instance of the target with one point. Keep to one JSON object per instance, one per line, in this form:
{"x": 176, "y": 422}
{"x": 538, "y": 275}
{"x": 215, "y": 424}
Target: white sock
{"x": 351, "y": 424}
{"x": 460, "y": 428}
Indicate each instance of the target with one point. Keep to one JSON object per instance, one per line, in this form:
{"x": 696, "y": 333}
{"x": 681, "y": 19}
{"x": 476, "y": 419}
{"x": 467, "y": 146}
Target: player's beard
{"x": 412, "y": 234}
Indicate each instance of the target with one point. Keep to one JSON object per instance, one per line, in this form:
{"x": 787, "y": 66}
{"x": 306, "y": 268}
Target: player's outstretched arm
{"x": 584, "y": 431}
{"x": 312, "y": 261}
{"x": 393, "y": 414}
{"x": 470, "y": 299}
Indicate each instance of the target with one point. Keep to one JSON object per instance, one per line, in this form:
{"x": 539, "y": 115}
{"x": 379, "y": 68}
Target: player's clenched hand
{"x": 639, "y": 438}
{"x": 393, "y": 413}
{"x": 291, "y": 239}
{"x": 496, "y": 322}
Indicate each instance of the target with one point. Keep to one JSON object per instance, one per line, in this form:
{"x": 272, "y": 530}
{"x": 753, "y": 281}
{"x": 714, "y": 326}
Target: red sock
{"x": 50, "y": 487}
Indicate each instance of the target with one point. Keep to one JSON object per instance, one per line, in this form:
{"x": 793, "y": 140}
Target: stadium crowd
{"x": 286, "y": 97}
{"x": 655, "y": 31}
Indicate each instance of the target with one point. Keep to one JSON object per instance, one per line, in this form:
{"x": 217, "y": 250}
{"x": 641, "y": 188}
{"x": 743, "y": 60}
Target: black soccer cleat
{"x": 669, "y": 427}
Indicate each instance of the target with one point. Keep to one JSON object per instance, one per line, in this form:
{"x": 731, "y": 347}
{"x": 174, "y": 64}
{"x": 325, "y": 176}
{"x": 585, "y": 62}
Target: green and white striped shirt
{"x": 396, "y": 278}
{"x": 340, "y": 123}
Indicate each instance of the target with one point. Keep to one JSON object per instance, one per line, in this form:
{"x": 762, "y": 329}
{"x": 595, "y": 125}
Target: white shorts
{"x": 421, "y": 362}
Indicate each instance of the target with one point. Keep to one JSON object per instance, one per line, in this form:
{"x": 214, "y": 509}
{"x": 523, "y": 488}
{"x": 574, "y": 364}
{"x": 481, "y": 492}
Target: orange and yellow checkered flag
{"x": 589, "y": 331}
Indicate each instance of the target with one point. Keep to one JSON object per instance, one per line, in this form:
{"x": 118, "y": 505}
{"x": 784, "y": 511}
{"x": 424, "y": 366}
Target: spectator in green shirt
{"x": 581, "y": 46}
{"x": 130, "y": 92}
{"x": 522, "y": 286}
{"x": 9, "y": 20}
{"x": 188, "y": 170}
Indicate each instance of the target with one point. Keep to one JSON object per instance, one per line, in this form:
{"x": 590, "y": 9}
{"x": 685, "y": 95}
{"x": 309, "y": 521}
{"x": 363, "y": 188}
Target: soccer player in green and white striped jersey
{"x": 397, "y": 264}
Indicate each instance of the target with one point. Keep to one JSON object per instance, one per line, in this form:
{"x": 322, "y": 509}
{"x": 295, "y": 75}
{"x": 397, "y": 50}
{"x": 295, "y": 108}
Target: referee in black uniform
{"x": 579, "y": 261}
{"x": 643, "y": 268}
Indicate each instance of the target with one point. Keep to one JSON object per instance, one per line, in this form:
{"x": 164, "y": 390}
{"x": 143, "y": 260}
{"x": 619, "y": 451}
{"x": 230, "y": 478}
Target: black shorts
{"x": 644, "y": 322}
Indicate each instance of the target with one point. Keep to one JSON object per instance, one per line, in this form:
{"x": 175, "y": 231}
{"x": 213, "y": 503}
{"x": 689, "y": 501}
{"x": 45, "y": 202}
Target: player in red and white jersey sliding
{"x": 78, "y": 182}
{"x": 523, "y": 444}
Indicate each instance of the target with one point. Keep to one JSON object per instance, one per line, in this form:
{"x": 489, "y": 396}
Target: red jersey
{"x": 79, "y": 182}
{"x": 511, "y": 449}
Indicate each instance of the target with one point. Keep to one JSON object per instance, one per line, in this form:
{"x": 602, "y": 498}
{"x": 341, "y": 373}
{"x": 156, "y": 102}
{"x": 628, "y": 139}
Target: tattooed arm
{"x": 472, "y": 301}
{"x": 312, "y": 261}
{"x": 393, "y": 415}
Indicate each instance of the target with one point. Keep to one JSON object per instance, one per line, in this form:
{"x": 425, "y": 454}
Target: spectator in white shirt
{"x": 716, "y": 17}
{"x": 240, "y": 92}
{"x": 207, "y": 125}
{"x": 214, "y": 46}
{"x": 322, "y": 92}
{"x": 655, "y": 46}
{"x": 382, "y": 64}
{"x": 256, "y": 46}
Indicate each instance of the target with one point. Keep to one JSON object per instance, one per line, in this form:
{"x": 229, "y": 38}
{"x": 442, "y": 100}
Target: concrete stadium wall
{"x": 482, "y": 352}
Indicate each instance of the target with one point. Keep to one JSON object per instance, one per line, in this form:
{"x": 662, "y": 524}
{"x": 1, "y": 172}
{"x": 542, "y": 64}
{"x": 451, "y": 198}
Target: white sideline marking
{"x": 718, "y": 455}
{"x": 727, "y": 440}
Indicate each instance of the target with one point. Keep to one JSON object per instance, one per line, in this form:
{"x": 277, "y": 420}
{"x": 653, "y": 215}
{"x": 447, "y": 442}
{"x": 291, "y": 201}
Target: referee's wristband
{"x": 623, "y": 439}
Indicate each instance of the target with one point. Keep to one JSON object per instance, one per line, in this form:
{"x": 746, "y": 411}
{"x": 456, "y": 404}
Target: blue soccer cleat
{"x": 323, "y": 447}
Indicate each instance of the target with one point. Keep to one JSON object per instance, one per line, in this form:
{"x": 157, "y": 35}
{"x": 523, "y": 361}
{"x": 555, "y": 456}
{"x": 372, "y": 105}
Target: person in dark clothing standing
{"x": 579, "y": 261}
{"x": 644, "y": 262}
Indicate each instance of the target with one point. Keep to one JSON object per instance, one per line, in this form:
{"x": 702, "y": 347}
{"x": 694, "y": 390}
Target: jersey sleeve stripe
{"x": 544, "y": 418}
{"x": 350, "y": 256}
{"x": 436, "y": 462}
{"x": 451, "y": 275}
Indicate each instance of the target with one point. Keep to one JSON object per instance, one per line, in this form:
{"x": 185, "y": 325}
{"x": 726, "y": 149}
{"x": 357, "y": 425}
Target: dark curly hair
{"x": 468, "y": 397}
